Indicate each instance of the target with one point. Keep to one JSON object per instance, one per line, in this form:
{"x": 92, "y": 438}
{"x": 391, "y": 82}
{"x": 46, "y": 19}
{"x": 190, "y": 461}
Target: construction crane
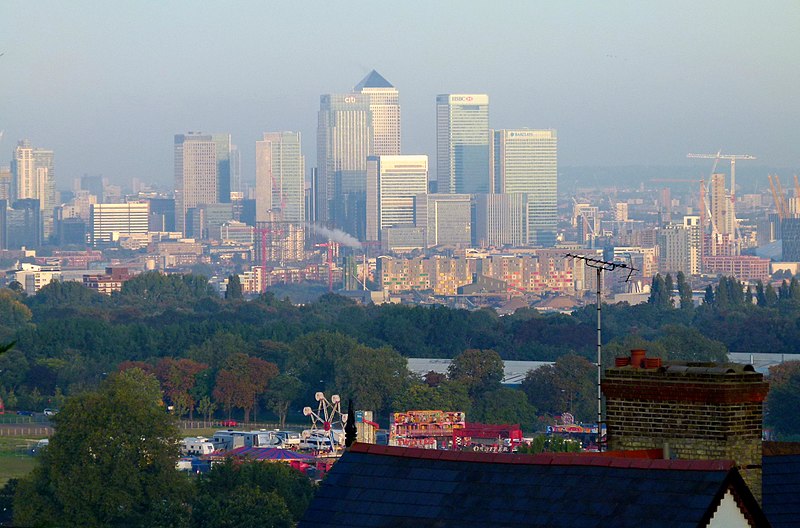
{"x": 732, "y": 157}
{"x": 778, "y": 195}
{"x": 330, "y": 245}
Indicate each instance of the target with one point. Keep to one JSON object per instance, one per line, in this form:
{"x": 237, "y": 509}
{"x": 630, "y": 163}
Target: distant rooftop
{"x": 373, "y": 80}
{"x": 513, "y": 371}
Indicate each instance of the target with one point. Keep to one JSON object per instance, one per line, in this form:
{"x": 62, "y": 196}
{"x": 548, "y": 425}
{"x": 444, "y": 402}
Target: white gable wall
{"x": 728, "y": 514}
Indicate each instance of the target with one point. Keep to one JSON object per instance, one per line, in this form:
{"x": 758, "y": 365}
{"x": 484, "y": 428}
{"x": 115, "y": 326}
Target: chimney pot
{"x": 637, "y": 357}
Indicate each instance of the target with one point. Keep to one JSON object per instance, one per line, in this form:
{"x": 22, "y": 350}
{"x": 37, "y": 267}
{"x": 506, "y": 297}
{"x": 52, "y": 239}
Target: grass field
{"x": 15, "y": 462}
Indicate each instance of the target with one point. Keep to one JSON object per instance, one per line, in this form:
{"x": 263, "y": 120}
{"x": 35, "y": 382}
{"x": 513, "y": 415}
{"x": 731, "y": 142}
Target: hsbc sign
{"x": 468, "y": 99}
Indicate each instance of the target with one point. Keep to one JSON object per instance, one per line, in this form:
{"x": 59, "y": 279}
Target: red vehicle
{"x": 230, "y": 423}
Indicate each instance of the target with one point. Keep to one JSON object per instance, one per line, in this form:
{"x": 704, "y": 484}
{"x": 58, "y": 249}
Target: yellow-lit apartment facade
{"x": 545, "y": 272}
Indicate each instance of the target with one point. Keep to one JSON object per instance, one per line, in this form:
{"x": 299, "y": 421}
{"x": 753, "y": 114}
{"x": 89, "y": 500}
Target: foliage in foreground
{"x": 110, "y": 462}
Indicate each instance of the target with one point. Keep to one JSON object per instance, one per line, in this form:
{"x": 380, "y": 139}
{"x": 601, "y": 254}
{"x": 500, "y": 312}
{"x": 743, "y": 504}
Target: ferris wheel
{"x": 327, "y": 423}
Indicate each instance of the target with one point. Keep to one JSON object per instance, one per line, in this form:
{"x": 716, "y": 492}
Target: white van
{"x": 317, "y": 442}
{"x": 196, "y": 446}
{"x": 288, "y": 438}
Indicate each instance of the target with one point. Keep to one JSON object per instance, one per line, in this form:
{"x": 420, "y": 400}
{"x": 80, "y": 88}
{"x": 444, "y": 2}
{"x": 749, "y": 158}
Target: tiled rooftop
{"x": 388, "y": 486}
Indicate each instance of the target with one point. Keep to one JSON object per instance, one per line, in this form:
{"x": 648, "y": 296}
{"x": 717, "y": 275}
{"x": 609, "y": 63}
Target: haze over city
{"x": 107, "y": 87}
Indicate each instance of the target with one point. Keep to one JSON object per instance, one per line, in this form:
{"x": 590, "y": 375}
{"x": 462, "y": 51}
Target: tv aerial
{"x": 600, "y": 266}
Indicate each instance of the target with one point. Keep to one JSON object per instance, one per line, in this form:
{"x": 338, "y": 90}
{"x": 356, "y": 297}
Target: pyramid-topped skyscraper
{"x": 384, "y": 106}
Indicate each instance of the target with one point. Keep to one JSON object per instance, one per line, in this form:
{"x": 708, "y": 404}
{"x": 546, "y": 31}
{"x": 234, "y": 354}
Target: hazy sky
{"x": 107, "y": 84}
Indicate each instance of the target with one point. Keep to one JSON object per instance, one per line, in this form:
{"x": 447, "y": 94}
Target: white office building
{"x": 109, "y": 221}
{"x": 195, "y": 174}
{"x": 393, "y": 182}
{"x": 384, "y": 108}
{"x": 525, "y": 161}
{"x": 280, "y": 180}
{"x": 447, "y": 219}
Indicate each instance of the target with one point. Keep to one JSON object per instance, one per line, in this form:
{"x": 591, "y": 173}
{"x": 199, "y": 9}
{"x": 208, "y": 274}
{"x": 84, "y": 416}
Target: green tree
{"x": 110, "y": 462}
{"x": 550, "y": 444}
{"x": 206, "y": 407}
{"x": 282, "y": 391}
{"x": 783, "y": 291}
{"x": 13, "y": 313}
{"x": 669, "y": 287}
{"x": 761, "y": 298}
{"x": 794, "y": 290}
{"x": 372, "y": 377}
{"x": 661, "y": 292}
{"x": 770, "y": 297}
{"x": 709, "y": 296}
{"x": 689, "y": 344}
{"x": 314, "y": 359}
{"x": 480, "y": 370}
{"x": 65, "y": 296}
{"x": 504, "y": 406}
{"x": 447, "y": 396}
{"x": 783, "y": 402}
{"x": 567, "y": 386}
{"x": 234, "y": 288}
{"x": 278, "y": 496}
{"x": 685, "y": 292}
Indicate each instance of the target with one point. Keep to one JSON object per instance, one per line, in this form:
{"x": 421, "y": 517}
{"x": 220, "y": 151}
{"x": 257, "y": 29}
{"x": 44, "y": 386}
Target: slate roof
{"x": 373, "y": 80}
{"x": 373, "y": 486}
{"x": 781, "y": 483}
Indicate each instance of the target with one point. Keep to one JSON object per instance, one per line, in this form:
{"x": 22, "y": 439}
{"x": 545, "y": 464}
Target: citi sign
{"x": 350, "y": 99}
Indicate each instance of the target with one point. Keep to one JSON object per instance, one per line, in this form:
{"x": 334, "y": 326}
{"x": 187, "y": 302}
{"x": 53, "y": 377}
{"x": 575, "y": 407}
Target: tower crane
{"x": 732, "y": 158}
{"x": 778, "y": 196}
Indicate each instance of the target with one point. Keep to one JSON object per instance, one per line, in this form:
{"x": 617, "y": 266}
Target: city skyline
{"x": 622, "y": 84}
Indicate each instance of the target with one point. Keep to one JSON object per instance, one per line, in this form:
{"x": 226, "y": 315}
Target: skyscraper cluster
{"x": 490, "y": 187}
{"x": 28, "y": 197}
{"x": 366, "y": 187}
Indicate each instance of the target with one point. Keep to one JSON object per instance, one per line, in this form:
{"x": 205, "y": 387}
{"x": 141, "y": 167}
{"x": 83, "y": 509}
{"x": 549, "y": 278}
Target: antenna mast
{"x": 600, "y": 266}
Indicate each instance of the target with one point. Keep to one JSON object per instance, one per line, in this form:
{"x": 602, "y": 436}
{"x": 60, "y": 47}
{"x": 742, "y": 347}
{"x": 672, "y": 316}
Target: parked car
{"x": 229, "y": 423}
{"x": 25, "y": 413}
{"x": 50, "y": 412}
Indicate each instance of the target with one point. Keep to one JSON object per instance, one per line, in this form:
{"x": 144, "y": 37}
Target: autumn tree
{"x": 242, "y": 381}
{"x": 178, "y": 378}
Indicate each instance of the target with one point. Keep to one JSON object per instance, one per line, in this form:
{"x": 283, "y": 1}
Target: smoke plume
{"x": 337, "y": 235}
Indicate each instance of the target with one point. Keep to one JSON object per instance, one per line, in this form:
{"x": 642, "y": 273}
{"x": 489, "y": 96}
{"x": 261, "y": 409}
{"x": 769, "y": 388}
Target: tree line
{"x": 233, "y": 357}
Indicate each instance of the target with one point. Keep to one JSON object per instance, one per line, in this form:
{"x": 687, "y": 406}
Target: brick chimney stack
{"x": 700, "y": 411}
